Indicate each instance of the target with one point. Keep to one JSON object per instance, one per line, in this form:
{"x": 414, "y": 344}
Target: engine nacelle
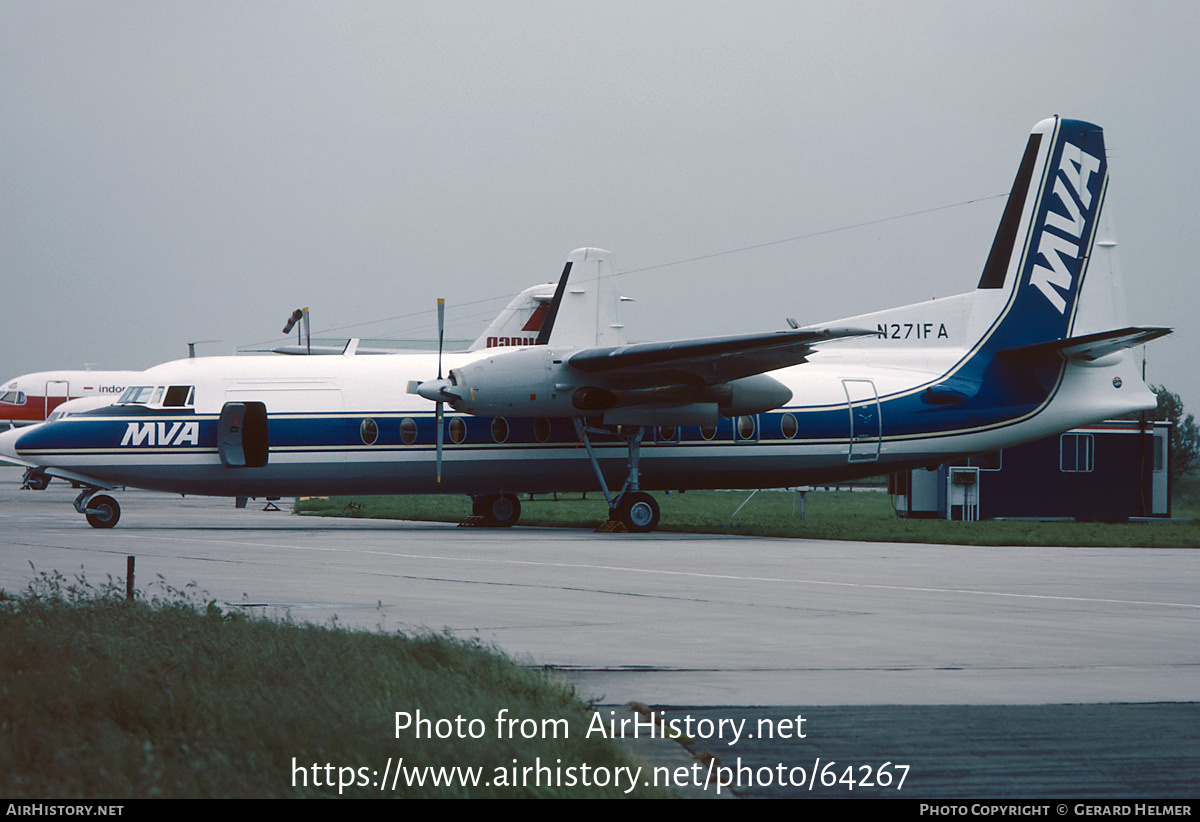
{"x": 537, "y": 382}
{"x": 529, "y": 382}
{"x": 754, "y": 395}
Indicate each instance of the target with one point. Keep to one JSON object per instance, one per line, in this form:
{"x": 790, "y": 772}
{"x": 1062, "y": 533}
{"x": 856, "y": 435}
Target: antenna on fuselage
{"x": 192, "y": 347}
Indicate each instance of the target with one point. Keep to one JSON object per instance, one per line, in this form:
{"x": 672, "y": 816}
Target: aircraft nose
{"x": 8, "y": 442}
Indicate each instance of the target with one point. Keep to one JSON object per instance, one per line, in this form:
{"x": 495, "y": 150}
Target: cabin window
{"x": 408, "y": 430}
{"x": 500, "y": 429}
{"x": 666, "y": 433}
{"x": 541, "y": 429}
{"x": 708, "y": 431}
{"x": 745, "y": 427}
{"x": 13, "y": 398}
{"x": 369, "y": 431}
{"x": 458, "y": 430}
{"x": 788, "y": 425}
{"x": 179, "y": 396}
{"x": 1076, "y": 453}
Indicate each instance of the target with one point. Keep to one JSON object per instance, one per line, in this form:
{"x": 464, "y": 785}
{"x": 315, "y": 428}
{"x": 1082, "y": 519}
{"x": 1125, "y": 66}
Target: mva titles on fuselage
{"x": 1040, "y": 346}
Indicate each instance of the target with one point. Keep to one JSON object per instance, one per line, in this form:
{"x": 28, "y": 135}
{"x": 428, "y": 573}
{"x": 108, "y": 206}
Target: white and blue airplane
{"x": 1040, "y": 346}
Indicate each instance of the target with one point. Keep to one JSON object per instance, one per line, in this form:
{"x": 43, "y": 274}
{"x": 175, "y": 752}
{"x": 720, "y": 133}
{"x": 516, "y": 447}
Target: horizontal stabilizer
{"x": 1088, "y": 347}
{"x": 713, "y": 359}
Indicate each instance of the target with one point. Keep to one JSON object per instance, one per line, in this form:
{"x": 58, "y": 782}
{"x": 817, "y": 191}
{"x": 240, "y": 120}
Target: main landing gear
{"x": 633, "y": 508}
{"x": 497, "y": 510}
{"x": 101, "y": 510}
{"x": 637, "y": 511}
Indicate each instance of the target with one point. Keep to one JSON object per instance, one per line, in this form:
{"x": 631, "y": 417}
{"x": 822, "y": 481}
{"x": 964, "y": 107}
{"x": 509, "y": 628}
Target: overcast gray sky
{"x": 175, "y": 171}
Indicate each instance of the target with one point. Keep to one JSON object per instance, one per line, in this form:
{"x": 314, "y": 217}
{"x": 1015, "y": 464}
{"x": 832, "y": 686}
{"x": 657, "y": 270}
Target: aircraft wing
{"x": 710, "y": 360}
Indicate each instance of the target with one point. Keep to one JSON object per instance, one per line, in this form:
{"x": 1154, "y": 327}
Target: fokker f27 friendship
{"x": 1040, "y": 346}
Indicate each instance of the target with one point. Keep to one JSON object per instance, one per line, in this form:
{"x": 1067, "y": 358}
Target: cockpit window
{"x": 13, "y": 398}
{"x": 137, "y": 395}
{"x": 174, "y": 396}
{"x": 179, "y": 396}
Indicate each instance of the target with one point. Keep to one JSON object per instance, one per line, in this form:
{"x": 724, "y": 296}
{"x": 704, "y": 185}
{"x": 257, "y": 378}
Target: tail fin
{"x": 520, "y": 321}
{"x": 585, "y": 310}
{"x": 580, "y": 312}
{"x": 1043, "y": 250}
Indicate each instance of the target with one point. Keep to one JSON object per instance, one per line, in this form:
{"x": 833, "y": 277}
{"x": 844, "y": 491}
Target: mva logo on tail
{"x": 1062, "y": 250}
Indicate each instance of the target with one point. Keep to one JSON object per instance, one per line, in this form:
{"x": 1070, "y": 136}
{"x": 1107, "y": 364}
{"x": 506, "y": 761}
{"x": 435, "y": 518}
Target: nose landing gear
{"x": 101, "y": 510}
{"x": 35, "y": 479}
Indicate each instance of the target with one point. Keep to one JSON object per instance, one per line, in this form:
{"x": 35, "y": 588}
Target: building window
{"x": 1076, "y": 453}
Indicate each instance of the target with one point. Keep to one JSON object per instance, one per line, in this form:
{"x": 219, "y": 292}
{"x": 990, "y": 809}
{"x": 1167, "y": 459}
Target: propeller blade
{"x": 441, "y": 331}
{"x": 440, "y": 435}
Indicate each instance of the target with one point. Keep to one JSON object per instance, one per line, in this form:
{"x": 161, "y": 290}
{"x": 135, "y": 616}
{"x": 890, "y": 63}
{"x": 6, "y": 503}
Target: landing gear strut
{"x": 633, "y": 508}
{"x": 101, "y": 510}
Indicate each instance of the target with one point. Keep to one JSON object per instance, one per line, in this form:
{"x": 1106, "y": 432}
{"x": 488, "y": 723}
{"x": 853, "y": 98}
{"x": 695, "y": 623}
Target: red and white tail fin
{"x": 580, "y": 311}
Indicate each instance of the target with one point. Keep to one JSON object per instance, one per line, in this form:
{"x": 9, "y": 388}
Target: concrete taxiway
{"x": 673, "y": 620}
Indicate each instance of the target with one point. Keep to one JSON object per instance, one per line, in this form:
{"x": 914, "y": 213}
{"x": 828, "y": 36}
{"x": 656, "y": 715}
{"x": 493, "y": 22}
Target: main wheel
{"x": 639, "y": 512}
{"x": 103, "y": 511}
{"x": 499, "y": 510}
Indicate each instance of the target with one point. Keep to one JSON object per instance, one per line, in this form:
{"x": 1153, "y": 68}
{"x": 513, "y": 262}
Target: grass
{"x": 172, "y": 696}
{"x": 838, "y": 515}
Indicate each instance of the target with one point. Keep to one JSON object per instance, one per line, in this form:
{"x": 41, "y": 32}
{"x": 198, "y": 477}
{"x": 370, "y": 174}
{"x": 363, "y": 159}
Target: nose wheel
{"x": 101, "y": 510}
{"x": 35, "y": 479}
